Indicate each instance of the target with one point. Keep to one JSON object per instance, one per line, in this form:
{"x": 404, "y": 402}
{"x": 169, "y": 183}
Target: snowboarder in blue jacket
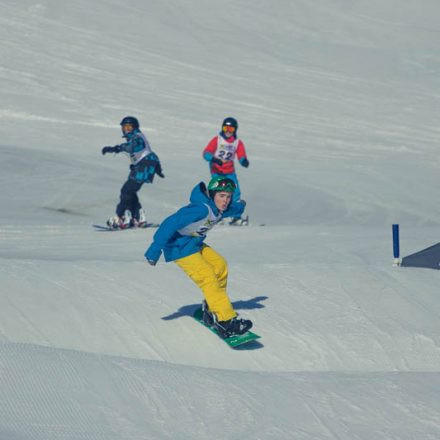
{"x": 181, "y": 239}
{"x": 144, "y": 165}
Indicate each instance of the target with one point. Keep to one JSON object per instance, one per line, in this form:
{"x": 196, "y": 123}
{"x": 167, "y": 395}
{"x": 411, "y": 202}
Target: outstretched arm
{"x": 135, "y": 144}
{"x": 115, "y": 149}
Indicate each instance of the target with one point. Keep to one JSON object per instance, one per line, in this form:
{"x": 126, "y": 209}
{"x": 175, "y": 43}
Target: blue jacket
{"x": 182, "y": 233}
{"x": 144, "y": 163}
{"x": 136, "y": 143}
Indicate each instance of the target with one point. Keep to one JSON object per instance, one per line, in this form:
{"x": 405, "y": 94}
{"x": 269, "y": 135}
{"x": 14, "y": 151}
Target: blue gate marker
{"x": 396, "y": 246}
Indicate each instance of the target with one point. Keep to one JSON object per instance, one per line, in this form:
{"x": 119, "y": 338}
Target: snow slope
{"x": 337, "y": 103}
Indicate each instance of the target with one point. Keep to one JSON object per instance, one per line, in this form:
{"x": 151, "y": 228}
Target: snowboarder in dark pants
{"x": 144, "y": 165}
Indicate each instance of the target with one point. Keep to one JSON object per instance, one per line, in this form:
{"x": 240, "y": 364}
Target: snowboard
{"x": 233, "y": 341}
{"x": 107, "y": 228}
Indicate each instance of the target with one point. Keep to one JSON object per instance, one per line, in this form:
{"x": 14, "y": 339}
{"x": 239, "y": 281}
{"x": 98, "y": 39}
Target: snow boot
{"x": 207, "y": 316}
{"x": 233, "y": 327}
{"x": 141, "y": 221}
{"x": 127, "y": 220}
{"x": 114, "y": 222}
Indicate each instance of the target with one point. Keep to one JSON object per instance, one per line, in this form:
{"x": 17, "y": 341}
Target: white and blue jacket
{"x": 182, "y": 233}
{"x": 144, "y": 163}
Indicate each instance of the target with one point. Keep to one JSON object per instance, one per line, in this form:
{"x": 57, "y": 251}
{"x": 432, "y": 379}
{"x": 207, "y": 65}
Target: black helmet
{"x": 230, "y": 122}
{"x": 130, "y": 120}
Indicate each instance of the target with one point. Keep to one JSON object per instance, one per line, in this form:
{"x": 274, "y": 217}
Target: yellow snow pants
{"x": 209, "y": 271}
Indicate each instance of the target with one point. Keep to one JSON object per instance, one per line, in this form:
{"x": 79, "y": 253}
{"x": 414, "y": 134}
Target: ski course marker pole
{"x": 396, "y": 245}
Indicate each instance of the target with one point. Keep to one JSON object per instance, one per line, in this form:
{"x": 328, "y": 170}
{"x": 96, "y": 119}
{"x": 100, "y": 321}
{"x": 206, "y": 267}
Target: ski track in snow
{"x": 158, "y": 395}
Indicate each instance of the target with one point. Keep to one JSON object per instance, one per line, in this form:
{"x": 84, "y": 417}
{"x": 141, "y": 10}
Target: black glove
{"x": 115, "y": 149}
{"x": 217, "y": 161}
{"x": 151, "y": 262}
{"x": 244, "y": 162}
{"x": 107, "y": 150}
{"x": 158, "y": 170}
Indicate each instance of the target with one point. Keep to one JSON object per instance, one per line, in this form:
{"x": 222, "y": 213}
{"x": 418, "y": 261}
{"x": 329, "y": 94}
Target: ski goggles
{"x": 228, "y": 129}
{"x": 127, "y": 127}
{"x": 227, "y": 185}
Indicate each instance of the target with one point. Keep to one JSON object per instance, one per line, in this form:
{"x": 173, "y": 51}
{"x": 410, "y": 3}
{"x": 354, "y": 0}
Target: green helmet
{"x": 221, "y": 184}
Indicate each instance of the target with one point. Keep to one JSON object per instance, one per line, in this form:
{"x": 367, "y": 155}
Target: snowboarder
{"x": 181, "y": 238}
{"x": 144, "y": 165}
{"x": 221, "y": 152}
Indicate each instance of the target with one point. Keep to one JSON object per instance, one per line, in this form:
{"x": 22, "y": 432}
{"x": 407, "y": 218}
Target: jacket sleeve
{"x": 241, "y": 151}
{"x": 210, "y": 149}
{"x": 185, "y": 216}
{"x": 135, "y": 144}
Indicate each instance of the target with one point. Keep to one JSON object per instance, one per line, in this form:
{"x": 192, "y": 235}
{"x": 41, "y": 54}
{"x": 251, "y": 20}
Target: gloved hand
{"x": 152, "y": 254}
{"x": 115, "y": 149}
{"x": 244, "y": 162}
{"x": 107, "y": 150}
{"x": 217, "y": 161}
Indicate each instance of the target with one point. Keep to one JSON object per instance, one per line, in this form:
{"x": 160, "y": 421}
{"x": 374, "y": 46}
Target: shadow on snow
{"x": 189, "y": 310}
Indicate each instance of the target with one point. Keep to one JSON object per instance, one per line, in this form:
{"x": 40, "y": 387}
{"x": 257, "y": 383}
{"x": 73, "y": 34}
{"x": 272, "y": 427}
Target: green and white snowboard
{"x": 233, "y": 341}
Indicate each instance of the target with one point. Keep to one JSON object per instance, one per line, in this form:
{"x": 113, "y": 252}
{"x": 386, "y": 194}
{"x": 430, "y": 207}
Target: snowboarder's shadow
{"x": 189, "y": 309}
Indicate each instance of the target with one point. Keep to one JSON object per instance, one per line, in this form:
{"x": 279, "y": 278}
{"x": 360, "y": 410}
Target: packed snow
{"x": 338, "y": 105}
